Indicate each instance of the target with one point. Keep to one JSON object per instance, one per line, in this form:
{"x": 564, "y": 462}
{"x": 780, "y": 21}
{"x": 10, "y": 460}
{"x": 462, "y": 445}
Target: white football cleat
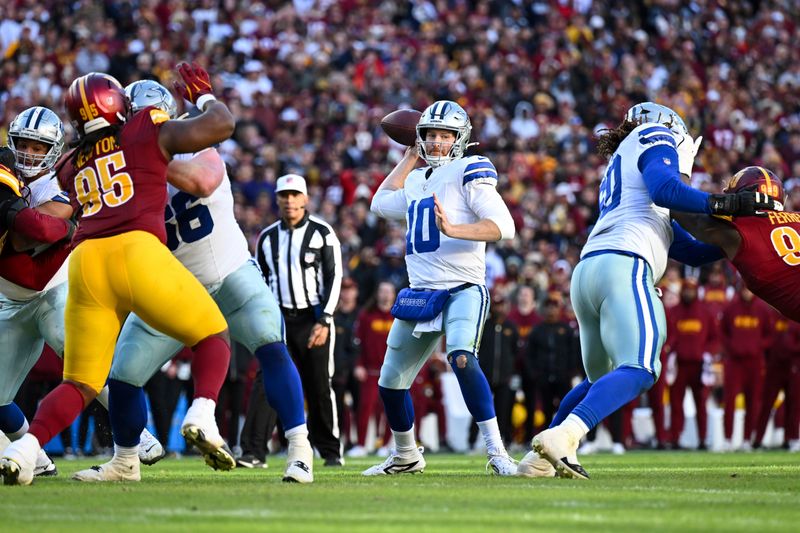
{"x": 150, "y": 449}
{"x": 114, "y": 470}
{"x": 560, "y": 449}
{"x": 19, "y": 461}
{"x": 501, "y": 465}
{"x": 533, "y": 465}
{"x": 395, "y": 464}
{"x": 45, "y": 467}
{"x": 199, "y": 428}
{"x": 357, "y": 451}
{"x": 299, "y": 463}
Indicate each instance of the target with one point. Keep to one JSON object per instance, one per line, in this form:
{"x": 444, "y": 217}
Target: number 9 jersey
{"x": 769, "y": 258}
{"x": 115, "y": 190}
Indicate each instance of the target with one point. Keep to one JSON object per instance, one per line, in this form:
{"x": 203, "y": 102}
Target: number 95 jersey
{"x": 115, "y": 190}
{"x": 466, "y": 190}
{"x": 203, "y": 233}
{"x": 629, "y": 220}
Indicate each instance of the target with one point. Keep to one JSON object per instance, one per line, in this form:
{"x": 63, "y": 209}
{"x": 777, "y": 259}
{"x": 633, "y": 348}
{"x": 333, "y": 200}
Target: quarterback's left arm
{"x": 332, "y": 283}
{"x": 199, "y": 175}
{"x": 494, "y": 226}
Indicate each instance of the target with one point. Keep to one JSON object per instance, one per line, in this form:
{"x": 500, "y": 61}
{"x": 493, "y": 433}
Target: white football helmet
{"x": 444, "y": 115}
{"x": 661, "y": 114}
{"x": 37, "y": 124}
{"x": 145, "y": 93}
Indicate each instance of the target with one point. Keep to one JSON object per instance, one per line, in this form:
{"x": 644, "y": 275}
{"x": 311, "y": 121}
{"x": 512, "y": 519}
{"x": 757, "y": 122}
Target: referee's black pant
{"x": 315, "y": 366}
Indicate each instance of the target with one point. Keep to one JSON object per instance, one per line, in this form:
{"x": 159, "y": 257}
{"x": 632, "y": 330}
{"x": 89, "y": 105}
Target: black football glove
{"x": 9, "y": 209}
{"x": 740, "y": 204}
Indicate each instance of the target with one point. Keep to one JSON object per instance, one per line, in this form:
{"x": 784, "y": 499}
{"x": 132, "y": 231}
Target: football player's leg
{"x": 255, "y": 321}
{"x": 405, "y": 355}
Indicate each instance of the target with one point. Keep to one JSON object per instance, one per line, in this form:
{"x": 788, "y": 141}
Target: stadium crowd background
{"x": 308, "y": 82}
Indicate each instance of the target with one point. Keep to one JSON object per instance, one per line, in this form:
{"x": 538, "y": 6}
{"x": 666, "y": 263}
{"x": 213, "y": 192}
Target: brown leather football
{"x": 401, "y": 126}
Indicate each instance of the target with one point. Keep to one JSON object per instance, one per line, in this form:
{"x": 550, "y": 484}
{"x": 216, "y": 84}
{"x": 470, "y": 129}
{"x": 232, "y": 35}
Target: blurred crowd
{"x": 308, "y": 82}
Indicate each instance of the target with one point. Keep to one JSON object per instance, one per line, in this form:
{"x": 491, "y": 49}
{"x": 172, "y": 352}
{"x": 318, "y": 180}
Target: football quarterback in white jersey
{"x": 621, "y": 318}
{"x": 451, "y": 209}
{"x": 203, "y": 234}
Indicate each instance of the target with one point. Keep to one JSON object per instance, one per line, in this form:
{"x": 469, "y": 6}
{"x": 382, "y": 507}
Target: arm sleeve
{"x": 390, "y": 204}
{"x": 40, "y": 227}
{"x": 659, "y": 168}
{"x": 331, "y": 273}
{"x": 690, "y": 251}
{"x": 487, "y": 204}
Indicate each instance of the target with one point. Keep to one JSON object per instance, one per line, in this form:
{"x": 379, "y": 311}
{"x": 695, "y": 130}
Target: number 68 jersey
{"x": 769, "y": 259}
{"x": 203, "y": 234}
{"x": 466, "y": 190}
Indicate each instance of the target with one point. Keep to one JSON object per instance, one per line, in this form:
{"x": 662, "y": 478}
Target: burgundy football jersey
{"x": 769, "y": 259}
{"x": 121, "y": 187}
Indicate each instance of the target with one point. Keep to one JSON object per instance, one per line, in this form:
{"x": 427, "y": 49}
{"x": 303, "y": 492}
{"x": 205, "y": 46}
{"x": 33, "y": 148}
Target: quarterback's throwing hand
{"x": 196, "y": 84}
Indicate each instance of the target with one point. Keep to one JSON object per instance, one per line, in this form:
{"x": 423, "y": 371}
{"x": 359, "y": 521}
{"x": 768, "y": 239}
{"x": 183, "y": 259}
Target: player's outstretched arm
{"x": 213, "y": 126}
{"x": 199, "y": 176}
{"x": 710, "y": 230}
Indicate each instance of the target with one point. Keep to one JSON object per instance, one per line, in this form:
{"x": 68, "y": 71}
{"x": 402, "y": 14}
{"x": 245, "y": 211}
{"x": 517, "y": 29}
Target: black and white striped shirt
{"x": 302, "y": 265}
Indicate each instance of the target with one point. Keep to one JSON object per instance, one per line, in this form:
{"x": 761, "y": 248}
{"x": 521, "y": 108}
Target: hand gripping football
{"x": 401, "y": 126}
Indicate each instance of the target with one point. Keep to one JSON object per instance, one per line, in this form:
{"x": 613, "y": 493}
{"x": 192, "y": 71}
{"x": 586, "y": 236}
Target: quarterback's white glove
{"x": 687, "y": 151}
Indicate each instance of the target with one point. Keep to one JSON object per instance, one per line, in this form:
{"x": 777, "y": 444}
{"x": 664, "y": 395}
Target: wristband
{"x": 203, "y": 100}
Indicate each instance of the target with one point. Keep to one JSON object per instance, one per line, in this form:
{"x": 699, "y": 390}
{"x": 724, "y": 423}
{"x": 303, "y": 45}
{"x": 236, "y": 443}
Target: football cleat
{"x": 45, "y": 467}
{"x": 199, "y": 428}
{"x": 250, "y": 461}
{"x": 114, "y": 470}
{"x": 560, "y": 449}
{"x": 299, "y": 463}
{"x": 19, "y": 461}
{"x": 150, "y": 449}
{"x": 395, "y": 464}
{"x": 357, "y": 451}
{"x": 501, "y": 465}
{"x": 533, "y": 465}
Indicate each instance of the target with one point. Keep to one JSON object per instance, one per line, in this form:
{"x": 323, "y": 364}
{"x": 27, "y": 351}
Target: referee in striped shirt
{"x": 301, "y": 259}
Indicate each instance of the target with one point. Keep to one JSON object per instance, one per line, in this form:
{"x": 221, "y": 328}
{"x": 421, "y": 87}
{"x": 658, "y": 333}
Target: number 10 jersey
{"x": 466, "y": 190}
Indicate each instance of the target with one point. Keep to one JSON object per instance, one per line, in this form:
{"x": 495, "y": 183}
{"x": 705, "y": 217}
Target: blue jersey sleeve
{"x": 659, "y": 168}
{"x": 690, "y": 251}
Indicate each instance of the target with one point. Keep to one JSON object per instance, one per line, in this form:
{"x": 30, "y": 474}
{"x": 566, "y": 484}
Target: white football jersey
{"x": 629, "y": 220}
{"x": 466, "y": 190}
{"x": 42, "y": 190}
{"x": 203, "y": 233}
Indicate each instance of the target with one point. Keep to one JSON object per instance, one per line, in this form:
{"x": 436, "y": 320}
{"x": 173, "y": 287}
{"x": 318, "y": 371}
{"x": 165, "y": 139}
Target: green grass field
{"x": 638, "y": 492}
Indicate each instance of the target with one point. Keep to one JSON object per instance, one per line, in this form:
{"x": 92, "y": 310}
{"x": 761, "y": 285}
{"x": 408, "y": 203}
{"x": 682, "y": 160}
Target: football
{"x": 401, "y": 126}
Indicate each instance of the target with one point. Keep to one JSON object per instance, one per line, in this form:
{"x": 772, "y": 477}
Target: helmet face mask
{"x": 757, "y": 179}
{"x": 444, "y": 115}
{"x": 144, "y": 93}
{"x": 41, "y": 125}
{"x": 96, "y": 101}
{"x": 661, "y": 114}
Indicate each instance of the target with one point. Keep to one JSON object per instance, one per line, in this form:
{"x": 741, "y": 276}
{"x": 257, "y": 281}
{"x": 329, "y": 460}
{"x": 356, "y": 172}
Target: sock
{"x": 127, "y": 412}
{"x": 282, "y": 384}
{"x": 573, "y": 398}
{"x": 126, "y": 454}
{"x": 491, "y": 436}
{"x": 12, "y": 422}
{"x": 297, "y": 435}
{"x": 574, "y": 425}
{"x": 398, "y": 407}
{"x": 57, "y": 411}
{"x": 405, "y": 443}
{"x": 474, "y": 387}
{"x": 611, "y": 392}
{"x": 210, "y": 366}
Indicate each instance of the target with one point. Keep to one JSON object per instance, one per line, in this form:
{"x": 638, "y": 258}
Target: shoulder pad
{"x": 652, "y": 133}
{"x": 8, "y": 179}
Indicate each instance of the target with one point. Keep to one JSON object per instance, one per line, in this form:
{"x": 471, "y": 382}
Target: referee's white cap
{"x": 292, "y": 182}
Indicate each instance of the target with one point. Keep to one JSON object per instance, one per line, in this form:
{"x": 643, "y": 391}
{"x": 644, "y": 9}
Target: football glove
{"x": 740, "y": 204}
{"x": 687, "y": 151}
{"x": 9, "y": 209}
{"x": 196, "y": 85}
